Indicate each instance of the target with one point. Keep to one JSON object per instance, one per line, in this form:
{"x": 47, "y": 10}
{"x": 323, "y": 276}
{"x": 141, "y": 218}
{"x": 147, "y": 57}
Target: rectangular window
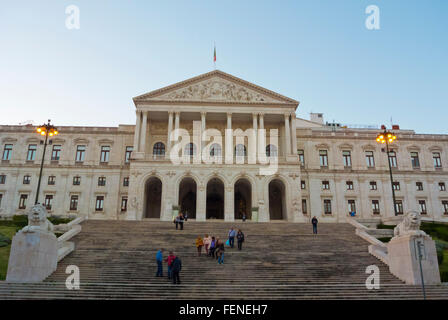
{"x": 445, "y": 206}
{"x": 101, "y": 181}
{"x": 303, "y": 184}
{"x": 437, "y": 159}
{"x": 323, "y": 157}
{"x": 396, "y": 185}
{"x": 26, "y": 179}
{"x": 375, "y": 206}
{"x": 51, "y": 180}
{"x": 301, "y": 155}
{"x": 349, "y": 185}
{"x": 7, "y": 151}
{"x": 76, "y": 180}
{"x": 105, "y": 151}
{"x": 327, "y": 206}
{"x": 370, "y": 160}
{"x": 48, "y": 201}
{"x": 31, "y": 156}
{"x": 126, "y": 182}
{"x": 399, "y": 206}
{"x": 99, "y": 205}
{"x": 351, "y": 207}
{"x": 56, "y": 153}
{"x": 373, "y": 185}
{"x": 80, "y": 153}
{"x": 325, "y": 185}
{"x": 304, "y": 208}
{"x": 127, "y": 156}
{"x": 2, "y": 179}
{"x": 442, "y": 186}
{"x": 124, "y": 204}
{"x": 347, "y": 158}
{"x": 414, "y": 160}
{"x": 419, "y": 186}
{"x": 73, "y": 203}
{"x": 393, "y": 159}
{"x": 422, "y": 206}
{"x": 22, "y": 201}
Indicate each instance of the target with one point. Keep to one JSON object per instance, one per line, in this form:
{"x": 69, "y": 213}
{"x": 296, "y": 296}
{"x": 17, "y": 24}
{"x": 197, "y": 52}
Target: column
{"x": 203, "y": 114}
{"x": 170, "y": 128}
{"x": 261, "y": 139}
{"x": 229, "y": 139}
{"x": 143, "y": 132}
{"x": 293, "y": 134}
{"x": 201, "y": 200}
{"x": 229, "y": 214}
{"x": 137, "y": 131}
{"x": 253, "y": 143}
{"x": 176, "y": 126}
{"x": 287, "y": 136}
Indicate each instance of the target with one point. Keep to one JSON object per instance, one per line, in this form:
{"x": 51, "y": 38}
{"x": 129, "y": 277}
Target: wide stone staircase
{"x": 279, "y": 260}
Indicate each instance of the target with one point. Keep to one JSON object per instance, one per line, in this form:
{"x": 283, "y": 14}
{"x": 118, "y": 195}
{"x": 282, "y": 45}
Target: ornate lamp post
{"x": 388, "y": 137}
{"x": 47, "y": 130}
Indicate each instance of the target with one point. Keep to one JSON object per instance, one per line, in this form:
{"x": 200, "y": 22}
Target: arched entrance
{"x": 277, "y": 201}
{"x": 153, "y": 198}
{"x": 187, "y": 197}
{"x": 243, "y": 199}
{"x": 215, "y": 199}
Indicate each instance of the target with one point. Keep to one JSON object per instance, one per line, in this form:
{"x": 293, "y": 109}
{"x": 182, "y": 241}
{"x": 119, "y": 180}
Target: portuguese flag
{"x": 214, "y": 55}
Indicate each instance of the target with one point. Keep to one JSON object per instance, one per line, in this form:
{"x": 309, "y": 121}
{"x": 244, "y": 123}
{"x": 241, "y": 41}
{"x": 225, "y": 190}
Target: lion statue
{"x": 410, "y": 225}
{"x": 37, "y": 220}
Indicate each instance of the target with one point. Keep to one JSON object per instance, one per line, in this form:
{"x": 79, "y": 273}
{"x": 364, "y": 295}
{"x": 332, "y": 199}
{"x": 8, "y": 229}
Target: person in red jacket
{"x": 169, "y": 262}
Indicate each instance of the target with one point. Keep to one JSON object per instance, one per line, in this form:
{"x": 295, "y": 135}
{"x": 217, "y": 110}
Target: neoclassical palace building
{"x": 219, "y": 147}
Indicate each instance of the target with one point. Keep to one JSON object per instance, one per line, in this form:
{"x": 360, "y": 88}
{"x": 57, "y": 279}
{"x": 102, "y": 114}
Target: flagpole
{"x": 214, "y": 55}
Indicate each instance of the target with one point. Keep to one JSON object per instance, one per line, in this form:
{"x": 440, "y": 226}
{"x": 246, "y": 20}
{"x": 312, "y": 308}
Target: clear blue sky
{"x": 317, "y": 52}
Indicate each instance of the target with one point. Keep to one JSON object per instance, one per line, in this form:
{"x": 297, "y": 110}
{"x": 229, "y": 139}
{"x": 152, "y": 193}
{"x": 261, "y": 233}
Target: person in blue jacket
{"x": 159, "y": 259}
{"x": 176, "y": 267}
{"x": 232, "y": 234}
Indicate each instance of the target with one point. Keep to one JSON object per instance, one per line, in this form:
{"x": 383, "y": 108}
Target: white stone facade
{"x": 218, "y": 102}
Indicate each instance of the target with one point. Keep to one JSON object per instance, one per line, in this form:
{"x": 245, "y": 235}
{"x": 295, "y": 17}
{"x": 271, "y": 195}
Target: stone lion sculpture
{"x": 410, "y": 225}
{"x": 37, "y": 220}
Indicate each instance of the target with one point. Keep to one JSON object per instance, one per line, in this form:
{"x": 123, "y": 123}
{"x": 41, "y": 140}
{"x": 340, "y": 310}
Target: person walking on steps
{"x": 207, "y": 241}
{"x": 314, "y": 222}
{"x": 232, "y": 235}
{"x": 176, "y": 267}
{"x": 220, "y": 252}
{"x": 159, "y": 259}
{"x": 199, "y": 245}
{"x": 181, "y": 221}
{"x": 169, "y": 262}
{"x": 240, "y": 239}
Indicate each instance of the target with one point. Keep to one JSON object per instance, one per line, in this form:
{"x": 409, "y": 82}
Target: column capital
{"x": 170, "y": 112}
{"x": 229, "y": 114}
{"x": 261, "y": 114}
{"x": 203, "y": 113}
{"x": 177, "y": 113}
{"x": 287, "y": 114}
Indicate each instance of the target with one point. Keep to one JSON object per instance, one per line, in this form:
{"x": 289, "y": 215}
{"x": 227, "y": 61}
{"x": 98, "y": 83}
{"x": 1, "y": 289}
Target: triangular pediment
{"x": 215, "y": 87}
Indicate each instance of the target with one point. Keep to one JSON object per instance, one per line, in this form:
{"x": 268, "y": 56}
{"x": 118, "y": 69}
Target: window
{"x": 56, "y": 153}
{"x": 240, "y": 150}
{"x": 215, "y": 150}
{"x": 442, "y": 186}
{"x": 437, "y": 160}
{"x": 31, "y": 156}
{"x": 396, "y": 185}
{"x": 105, "y": 152}
{"x": 159, "y": 149}
{"x": 99, "y": 205}
{"x": 26, "y": 179}
{"x": 126, "y": 182}
{"x": 327, "y": 206}
{"x": 2, "y": 179}
{"x": 445, "y": 206}
{"x": 76, "y": 180}
{"x": 271, "y": 150}
{"x": 393, "y": 159}
{"x": 303, "y": 184}
{"x": 51, "y": 180}
{"x": 347, "y": 158}
{"x": 190, "y": 149}
{"x": 73, "y": 203}
{"x": 304, "y": 208}
{"x": 48, "y": 201}
{"x": 124, "y": 204}
{"x": 370, "y": 160}
{"x": 301, "y": 154}
{"x": 127, "y": 155}
{"x": 80, "y": 153}
{"x": 323, "y": 158}
{"x": 349, "y": 185}
{"x": 414, "y": 160}
{"x": 22, "y": 201}
{"x": 7, "y": 151}
{"x": 375, "y": 206}
{"x": 399, "y": 206}
{"x": 325, "y": 185}
{"x": 422, "y": 206}
{"x": 101, "y": 181}
{"x": 351, "y": 207}
{"x": 419, "y": 186}
{"x": 373, "y": 185}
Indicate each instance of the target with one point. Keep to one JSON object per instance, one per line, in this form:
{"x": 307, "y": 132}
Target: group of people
{"x": 179, "y": 220}
{"x": 174, "y": 266}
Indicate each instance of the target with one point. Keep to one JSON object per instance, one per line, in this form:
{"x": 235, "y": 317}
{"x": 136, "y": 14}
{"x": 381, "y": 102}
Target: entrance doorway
{"x": 153, "y": 198}
{"x": 187, "y": 197}
{"x": 243, "y": 199}
{"x": 215, "y": 199}
{"x": 277, "y": 202}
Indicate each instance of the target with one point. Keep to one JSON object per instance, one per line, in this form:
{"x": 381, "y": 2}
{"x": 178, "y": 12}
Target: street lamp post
{"x": 47, "y": 130}
{"x": 388, "y": 137}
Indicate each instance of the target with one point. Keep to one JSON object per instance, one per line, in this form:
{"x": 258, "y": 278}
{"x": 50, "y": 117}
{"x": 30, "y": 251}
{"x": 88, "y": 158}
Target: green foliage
{"x": 440, "y": 246}
{"x": 437, "y": 230}
{"x": 444, "y": 276}
{"x": 4, "y": 240}
{"x": 20, "y": 221}
{"x": 385, "y": 239}
{"x": 59, "y": 220}
{"x": 383, "y": 226}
